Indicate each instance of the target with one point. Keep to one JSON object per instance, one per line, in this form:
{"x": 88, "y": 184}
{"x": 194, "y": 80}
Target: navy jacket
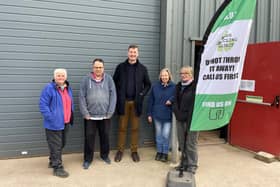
{"x": 142, "y": 86}
{"x": 156, "y": 104}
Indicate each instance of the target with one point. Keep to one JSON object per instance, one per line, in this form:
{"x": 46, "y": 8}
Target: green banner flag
{"x": 221, "y": 64}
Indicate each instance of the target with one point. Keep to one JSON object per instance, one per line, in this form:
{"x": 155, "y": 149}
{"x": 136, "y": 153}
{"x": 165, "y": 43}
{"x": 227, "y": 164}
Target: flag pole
{"x": 206, "y": 35}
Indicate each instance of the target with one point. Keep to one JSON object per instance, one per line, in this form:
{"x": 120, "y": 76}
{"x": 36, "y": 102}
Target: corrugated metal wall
{"x": 188, "y": 19}
{"x": 37, "y": 36}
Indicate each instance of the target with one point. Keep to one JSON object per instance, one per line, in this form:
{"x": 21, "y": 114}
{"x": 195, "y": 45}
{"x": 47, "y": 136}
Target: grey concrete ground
{"x": 220, "y": 165}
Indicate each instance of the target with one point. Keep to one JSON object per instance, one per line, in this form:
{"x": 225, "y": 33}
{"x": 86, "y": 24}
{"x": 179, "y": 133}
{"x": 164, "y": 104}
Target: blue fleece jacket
{"x": 157, "y": 99}
{"x": 51, "y": 106}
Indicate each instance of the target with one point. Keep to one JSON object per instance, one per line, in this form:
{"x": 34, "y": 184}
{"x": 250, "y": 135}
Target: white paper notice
{"x": 247, "y": 85}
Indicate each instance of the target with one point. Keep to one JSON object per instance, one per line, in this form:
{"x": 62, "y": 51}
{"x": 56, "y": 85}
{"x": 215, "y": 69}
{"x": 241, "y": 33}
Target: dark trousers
{"x": 191, "y": 156}
{"x": 56, "y": 140}
{"x": 103, "y": 127}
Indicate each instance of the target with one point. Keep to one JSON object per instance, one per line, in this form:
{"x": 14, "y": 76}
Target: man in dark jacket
{"x": 132, "y": 84}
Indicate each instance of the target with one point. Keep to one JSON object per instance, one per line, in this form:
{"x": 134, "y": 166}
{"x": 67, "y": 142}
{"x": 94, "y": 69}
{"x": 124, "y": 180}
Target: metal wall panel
{"x": 262, "y": 16}
{"x": 274, "y": 34}
{"x": 38, "y": 36}
{"x": 196, "y": 17}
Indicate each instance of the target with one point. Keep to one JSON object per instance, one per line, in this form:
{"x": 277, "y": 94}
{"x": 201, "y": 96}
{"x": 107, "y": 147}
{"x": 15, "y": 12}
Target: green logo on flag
{"x": 230, "y": 16}
{"x": 226, "y": 42}
{"x": 216, "y": 113}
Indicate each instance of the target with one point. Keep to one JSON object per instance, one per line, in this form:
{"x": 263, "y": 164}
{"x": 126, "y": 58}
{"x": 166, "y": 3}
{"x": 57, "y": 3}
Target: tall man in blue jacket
{"x": 132, "y": 84}
{"x": 97, "y": 105}
{"x": 56, "y": 106}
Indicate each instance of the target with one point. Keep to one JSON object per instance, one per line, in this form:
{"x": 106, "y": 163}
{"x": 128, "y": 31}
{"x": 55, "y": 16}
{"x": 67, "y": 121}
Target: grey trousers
{"x": 191, "y": 157}
{"x": 56, "y": 141}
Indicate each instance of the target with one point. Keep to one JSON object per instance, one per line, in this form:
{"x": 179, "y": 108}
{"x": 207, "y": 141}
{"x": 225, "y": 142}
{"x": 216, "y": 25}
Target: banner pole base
{"x": 174, "y": 180}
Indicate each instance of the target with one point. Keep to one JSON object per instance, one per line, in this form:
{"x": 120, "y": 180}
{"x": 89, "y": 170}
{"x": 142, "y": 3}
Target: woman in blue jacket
{"x": 56, "y": 106}
{"x": 160, "y": 112}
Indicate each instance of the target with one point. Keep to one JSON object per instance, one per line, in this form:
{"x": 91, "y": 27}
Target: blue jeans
{"x": 162, "y": 135}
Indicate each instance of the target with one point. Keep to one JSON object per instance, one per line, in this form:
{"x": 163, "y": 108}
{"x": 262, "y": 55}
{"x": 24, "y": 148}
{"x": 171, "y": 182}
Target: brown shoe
{"x": 118, "y": 156}
{"x": 135, "y": 157}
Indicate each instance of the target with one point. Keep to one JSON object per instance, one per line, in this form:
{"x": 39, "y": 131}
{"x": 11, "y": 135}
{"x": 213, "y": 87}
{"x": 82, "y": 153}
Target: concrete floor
{"x": 220, "y": 165}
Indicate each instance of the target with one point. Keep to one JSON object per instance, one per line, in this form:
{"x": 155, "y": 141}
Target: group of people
{"x": 165, "y": 98}
{"x": 101, "y": 95}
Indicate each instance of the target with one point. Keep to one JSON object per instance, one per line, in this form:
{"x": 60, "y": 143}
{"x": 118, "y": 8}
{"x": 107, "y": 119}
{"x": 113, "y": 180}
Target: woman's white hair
{"x": 60, "y": 70}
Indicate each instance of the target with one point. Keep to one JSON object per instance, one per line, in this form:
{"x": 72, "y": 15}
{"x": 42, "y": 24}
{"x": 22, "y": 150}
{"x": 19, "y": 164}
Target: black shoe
{"x": 86, "y": 164}
{"x": 106, "y": 160}
{"x": 135, "y": 157}
{"x": 191, "y": 170}
{"x": 118, "y": 156}
{"x": 60, "y": 172}
{"x": 177, "y": 168}
{"x": 164, "y": 157}
{"x": 158, "y": 156}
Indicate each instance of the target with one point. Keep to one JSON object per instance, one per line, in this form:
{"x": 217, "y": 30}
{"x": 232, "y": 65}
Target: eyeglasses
{"x": 98, "y": 67}
{"x": 185, "y": 73}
